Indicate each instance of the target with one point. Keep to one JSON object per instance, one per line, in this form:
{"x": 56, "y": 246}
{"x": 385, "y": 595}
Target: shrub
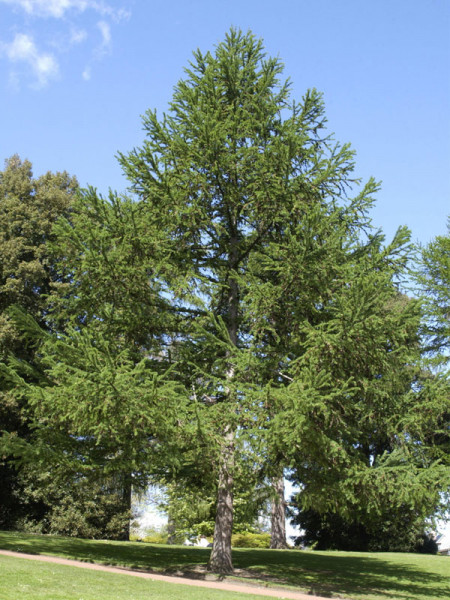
{"x": 155, "y": 538}
{"x": 426, "y": 545}
{"x": 151, "y": 535}
{"x": 250, "y": 540}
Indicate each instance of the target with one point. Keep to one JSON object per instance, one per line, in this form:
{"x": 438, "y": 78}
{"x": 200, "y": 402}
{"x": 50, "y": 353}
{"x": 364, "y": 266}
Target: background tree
{"x": 83, "y": 503}
{"x": 359, "y": 442}
{"x": 95, "y": 414}
{"x": 433, "y": 278}
{"x": 108, "y": 259}
{"x": 29, "y": 207}
{"x": 111, "y": 260}
{"x": 402, "y": 532}
{"x": 91, "y": 254}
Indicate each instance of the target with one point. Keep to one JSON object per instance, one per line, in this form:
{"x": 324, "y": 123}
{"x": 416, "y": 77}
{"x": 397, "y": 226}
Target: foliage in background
{"x": 80, "y": 505}
{"x": 433, "y": 278}
{"x": 391, "y": 533}
{"x": 250, "y": 540}
{"x": 191, "y": 510}
{"x": 29, "y": 208}
{"x": 370, "y": 403}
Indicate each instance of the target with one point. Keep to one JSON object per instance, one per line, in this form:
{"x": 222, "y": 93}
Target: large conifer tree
{"x": 240, "y": 306}
{"x": 248, "y": 198}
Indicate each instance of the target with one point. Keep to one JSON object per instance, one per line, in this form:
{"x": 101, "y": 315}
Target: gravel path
{"x": 219, "y": 585}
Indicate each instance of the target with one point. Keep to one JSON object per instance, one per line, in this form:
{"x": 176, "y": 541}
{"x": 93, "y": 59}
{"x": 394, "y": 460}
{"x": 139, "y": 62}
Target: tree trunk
{"x": 171, "y": 529}
{"x": 278, "y": 532}
{"x": 126, "y": 506}
{"x": 220, "y": 560}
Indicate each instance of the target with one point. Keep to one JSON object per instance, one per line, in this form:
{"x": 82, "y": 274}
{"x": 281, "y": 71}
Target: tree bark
{"x": 278, "y": 531}
{"x": 220, "y": 560}
{"x": 126, "y": 506}
{"x": 171, "y": 529}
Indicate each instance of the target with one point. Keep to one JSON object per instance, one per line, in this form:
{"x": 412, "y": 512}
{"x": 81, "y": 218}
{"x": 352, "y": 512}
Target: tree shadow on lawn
{"x": 319, "y": 573}
{"x": 325, "y": 574}
{"x": 131, "y": 554}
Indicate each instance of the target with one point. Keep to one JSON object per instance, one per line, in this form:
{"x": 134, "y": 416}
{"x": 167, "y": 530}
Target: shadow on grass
{"x": 347, "y": 574}
{"x": 381, "y": 576}
{"x": 130, "y": 554}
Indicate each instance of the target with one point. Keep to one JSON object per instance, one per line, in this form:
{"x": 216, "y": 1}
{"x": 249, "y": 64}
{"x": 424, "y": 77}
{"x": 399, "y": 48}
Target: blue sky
{"x": 75, "y": 76}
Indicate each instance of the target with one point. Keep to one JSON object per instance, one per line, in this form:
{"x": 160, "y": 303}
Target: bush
{"x": 151, "y": 535}
{"x": 426, "y": 545}
{"x": 398, "y": 532}
{"x": 250, "y": 540}
{"x": 155, "y": 538}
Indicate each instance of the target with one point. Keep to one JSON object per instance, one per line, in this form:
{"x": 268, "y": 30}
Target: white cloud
{"x": 101, "y": 50}
{"x": 77, "y": 36}
{"x": 23, "y": 49}
{"x": 105, "y": 30}
{"x": 71, "y": 32}
{"x": 58, "y": 8}
{"x": 47, "y": 8}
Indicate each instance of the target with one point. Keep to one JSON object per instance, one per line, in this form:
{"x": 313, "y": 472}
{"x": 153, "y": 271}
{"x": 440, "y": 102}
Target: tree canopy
{"x": 433, "y": 277}
{"x": 29, "y": 207}
{"x": 296, "y": 340}
{"x": 238, "y": 312}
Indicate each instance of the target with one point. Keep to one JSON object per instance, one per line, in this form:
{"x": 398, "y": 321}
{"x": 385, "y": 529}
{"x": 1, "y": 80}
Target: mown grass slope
{"x": 30, "y": 580}
{"x": 355, "y": 575}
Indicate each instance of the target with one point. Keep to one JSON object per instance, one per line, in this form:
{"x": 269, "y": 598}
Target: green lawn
{"x": 356, "y": 575}
{"x": 30, "y": 580}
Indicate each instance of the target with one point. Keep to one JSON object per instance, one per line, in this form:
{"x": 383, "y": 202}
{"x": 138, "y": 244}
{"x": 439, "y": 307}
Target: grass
{"x": 29, "y": 580}
{"x": 355, "y": 575}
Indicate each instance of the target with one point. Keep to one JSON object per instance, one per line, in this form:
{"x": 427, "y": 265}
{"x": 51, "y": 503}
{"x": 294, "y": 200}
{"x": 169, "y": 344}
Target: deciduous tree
{"x": 29, "y": 207}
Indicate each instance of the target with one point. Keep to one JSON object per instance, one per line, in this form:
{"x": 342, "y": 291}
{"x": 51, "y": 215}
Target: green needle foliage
{"x": 238, "y": 314}
{"x": 433, "y": 278}
{"x": 295, "y": 340}
{"x": 108, "y": 259}
{"x": 117, "y": 414}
